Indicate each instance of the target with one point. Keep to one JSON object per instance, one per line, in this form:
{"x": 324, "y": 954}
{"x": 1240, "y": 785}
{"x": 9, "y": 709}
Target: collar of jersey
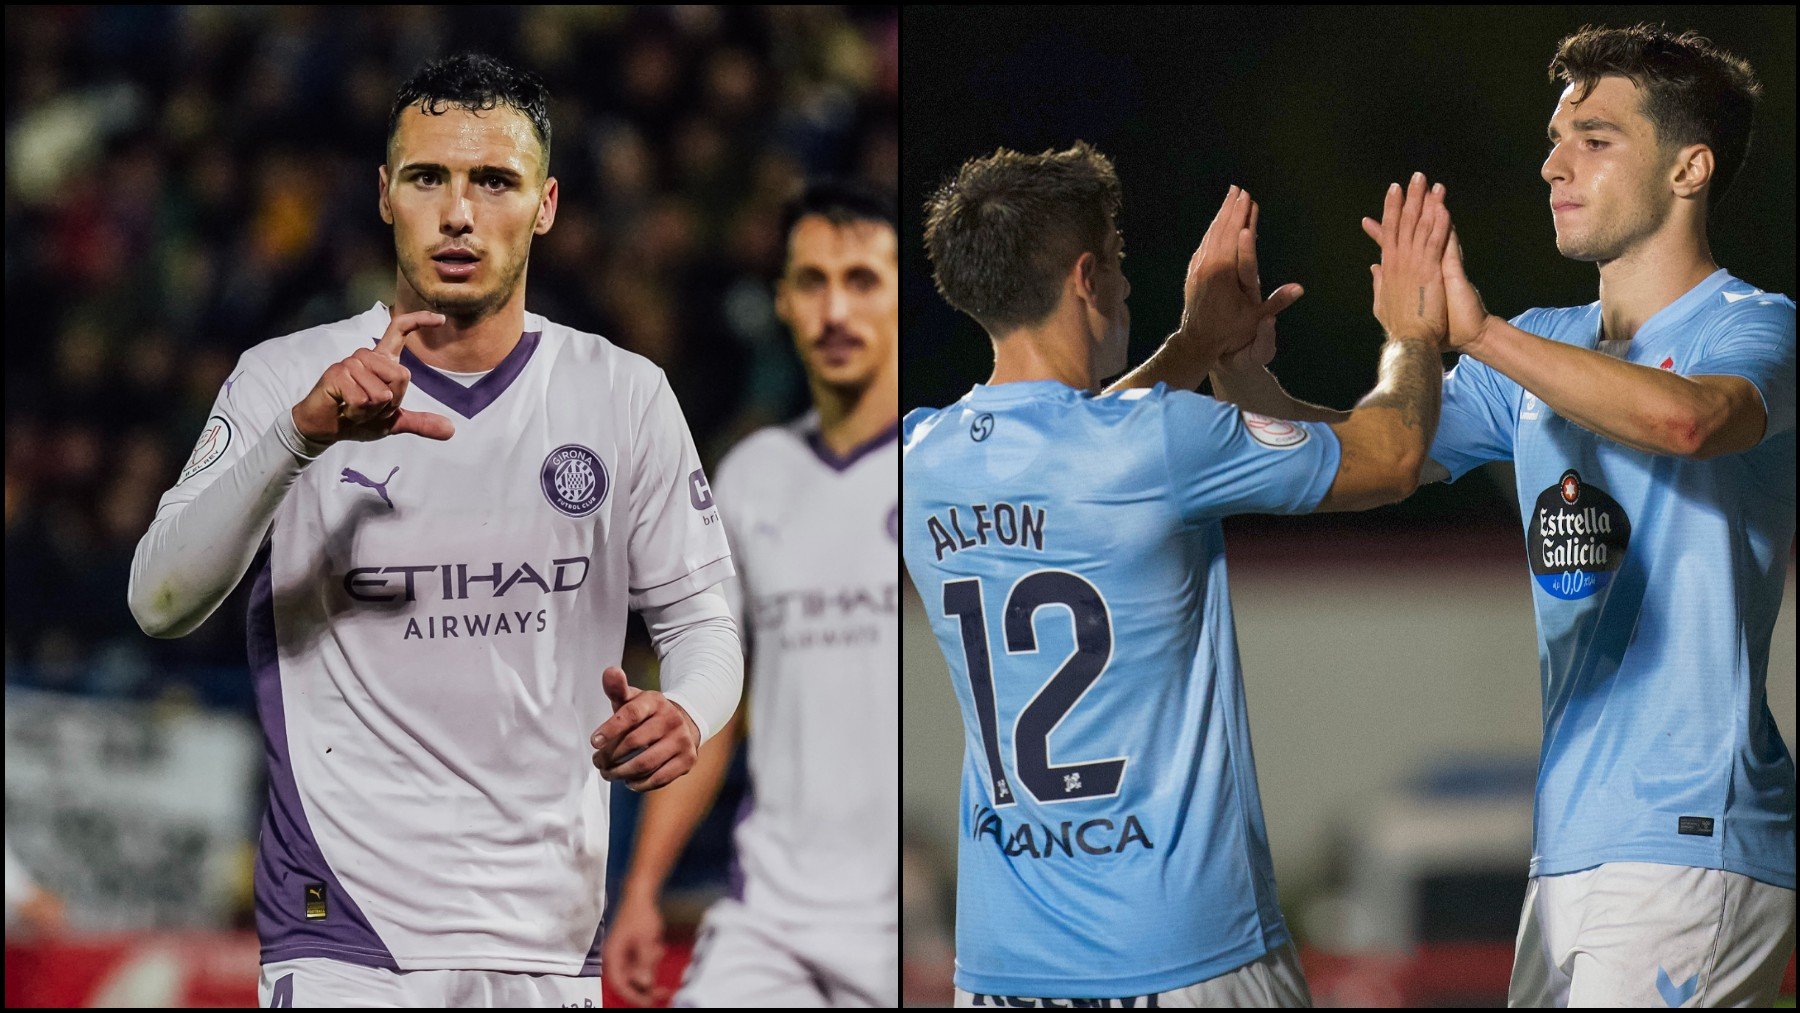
{"x": 1021, "y": 391}
{"x": 469, "y": 401}
{"x": 854, "y": 454}
{"x": 1686, "y": 305}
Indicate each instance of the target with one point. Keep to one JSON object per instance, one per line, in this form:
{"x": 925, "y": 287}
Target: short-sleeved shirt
{"x": 1656, "y": 580}
{"x": 1069, "y": 554}
{"x": 428, "y": 625}
{"x": 813, "y": 534}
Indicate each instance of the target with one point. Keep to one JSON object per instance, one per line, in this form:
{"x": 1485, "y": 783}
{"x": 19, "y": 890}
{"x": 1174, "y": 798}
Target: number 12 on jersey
{"x": 1092, "y": 620}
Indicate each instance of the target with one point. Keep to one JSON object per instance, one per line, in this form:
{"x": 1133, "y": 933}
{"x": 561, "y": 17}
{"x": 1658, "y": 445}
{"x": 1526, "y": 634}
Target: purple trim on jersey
{"x": 735, "y": 889}
{"x": 857, "y": 453}
{"x": 468, "y": 401}
{"x": 288, "y": 856}
{"x": 590, "y": 968}
{"x": 690, "y": 573}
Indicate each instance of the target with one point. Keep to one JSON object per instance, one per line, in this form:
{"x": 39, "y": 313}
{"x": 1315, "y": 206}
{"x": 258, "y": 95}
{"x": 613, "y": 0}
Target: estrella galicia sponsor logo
{"x": 574, "y": 480}
{"x": 213, "y": 441}
{"x": 1071, "y": 839}
{"x": 1278, "y": 433}
{"x": 699, "y": 493}
{"x": 982, "y": 427}
{"x": 1576, "y": 537}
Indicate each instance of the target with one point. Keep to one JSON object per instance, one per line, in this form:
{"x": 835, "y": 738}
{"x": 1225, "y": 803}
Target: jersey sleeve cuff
{"x": 289, "y": 434}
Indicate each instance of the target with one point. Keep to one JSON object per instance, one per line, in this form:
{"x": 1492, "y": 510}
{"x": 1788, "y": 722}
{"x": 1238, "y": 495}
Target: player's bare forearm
{"x": 1384, "y": 442}
{"x": 1178, "y": 363}
{"x": 1647, "y": 409}
{"x": 671, "y": 814}
{"x": 1257, "y": 390}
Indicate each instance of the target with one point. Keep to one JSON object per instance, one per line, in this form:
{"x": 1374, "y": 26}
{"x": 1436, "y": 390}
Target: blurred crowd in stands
{"x": 185, "y": 182}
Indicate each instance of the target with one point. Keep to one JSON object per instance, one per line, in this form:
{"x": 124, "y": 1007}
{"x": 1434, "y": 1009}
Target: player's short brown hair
{"x": 1694, "y": 92}
{"x": 1005, "y": 230}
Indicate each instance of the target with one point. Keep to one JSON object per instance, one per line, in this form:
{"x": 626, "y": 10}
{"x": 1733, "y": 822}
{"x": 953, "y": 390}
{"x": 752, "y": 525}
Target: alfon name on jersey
{"x": 987, "y": 523}
{"x": 1101, "y": 835}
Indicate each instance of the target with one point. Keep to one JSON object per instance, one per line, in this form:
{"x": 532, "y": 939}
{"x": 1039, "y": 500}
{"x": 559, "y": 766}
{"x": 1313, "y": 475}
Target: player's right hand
{"x": 1409, "y": 281}
{"x": 1224, "y": 317}
{"x": 1468, "y": 314}
{"x": 359, "y": 398}
{"x": 632, "y": 950}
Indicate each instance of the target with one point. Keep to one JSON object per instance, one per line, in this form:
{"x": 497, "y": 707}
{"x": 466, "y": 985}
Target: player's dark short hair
{"x": 476, "y": 82}
{"x": 1694, "y": 92}
{"x": 1005, "y": 230}
{"x": 841, "y": 202}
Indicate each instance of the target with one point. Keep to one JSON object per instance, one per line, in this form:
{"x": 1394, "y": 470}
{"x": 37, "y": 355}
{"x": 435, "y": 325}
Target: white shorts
{"x": 1271, "y": 981}
{"x": 1644, "y": 934}
{"x": 312, "y": 981}
{"x": 743, "y": 960}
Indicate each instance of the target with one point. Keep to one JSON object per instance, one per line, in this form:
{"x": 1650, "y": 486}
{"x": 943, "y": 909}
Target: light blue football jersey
{"x": 1068, "y": 550}
{"x": 1656, "y": 581}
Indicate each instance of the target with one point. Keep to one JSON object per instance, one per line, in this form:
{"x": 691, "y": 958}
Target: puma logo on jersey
{"x": 355, "y": 477}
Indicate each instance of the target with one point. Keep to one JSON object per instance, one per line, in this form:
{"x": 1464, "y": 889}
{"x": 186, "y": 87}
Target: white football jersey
{"x": 428, "y": 626}
{"x": 814, "y": 536}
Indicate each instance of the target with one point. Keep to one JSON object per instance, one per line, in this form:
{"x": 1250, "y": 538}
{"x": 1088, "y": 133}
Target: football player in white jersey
{"x": 812, "y": 918}
{"x": 436, "y": 624}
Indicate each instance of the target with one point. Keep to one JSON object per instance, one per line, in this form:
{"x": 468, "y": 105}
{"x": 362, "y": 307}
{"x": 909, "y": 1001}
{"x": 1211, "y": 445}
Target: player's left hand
{"x": 1409, "y": 282}
{"x": 648, "y": 742}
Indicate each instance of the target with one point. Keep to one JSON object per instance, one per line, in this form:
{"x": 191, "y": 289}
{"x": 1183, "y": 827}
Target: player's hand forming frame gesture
{"x": 359, "y": 398}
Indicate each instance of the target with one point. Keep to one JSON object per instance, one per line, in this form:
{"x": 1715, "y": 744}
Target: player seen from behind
{"x": 1068, "y": 550}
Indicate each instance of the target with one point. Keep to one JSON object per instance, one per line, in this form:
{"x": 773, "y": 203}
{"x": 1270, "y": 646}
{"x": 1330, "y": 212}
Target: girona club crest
{"x": 574, "y": 480}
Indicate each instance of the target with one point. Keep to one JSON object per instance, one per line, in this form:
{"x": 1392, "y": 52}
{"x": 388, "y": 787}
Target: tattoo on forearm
{"x": 1411, "y": 379}
{"x": 1421, "y": 302}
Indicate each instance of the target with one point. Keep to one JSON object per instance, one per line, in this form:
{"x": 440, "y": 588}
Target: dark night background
{"x": 1314, "y": 110}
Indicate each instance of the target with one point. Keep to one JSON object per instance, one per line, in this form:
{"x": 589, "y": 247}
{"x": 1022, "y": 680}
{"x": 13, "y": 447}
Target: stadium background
{"x": 183, "y": 183}
{"x": 1389, "y": 657}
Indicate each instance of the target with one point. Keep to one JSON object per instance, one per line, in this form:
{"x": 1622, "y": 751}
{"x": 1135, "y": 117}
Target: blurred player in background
{"x": 1069, "y": 551}
{"x": 812, "y": 509}
{"x": 1652, "y": 436}
{"x": 430, "y": 617}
